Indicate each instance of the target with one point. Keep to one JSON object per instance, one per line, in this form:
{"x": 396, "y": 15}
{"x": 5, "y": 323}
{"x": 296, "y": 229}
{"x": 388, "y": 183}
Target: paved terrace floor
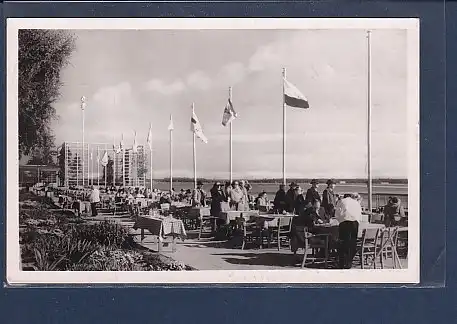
{"x": 207, "y": 254}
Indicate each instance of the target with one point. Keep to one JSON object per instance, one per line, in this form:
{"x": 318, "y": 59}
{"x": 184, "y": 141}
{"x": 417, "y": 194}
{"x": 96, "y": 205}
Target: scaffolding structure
{"x": 127, "y": 167}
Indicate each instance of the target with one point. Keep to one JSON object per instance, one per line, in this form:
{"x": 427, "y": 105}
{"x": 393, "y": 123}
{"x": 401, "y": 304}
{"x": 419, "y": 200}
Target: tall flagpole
{"x": 89, "y": 162}
{"x": 283, "y": 130}
{"x": 123, "y": 161}
{"x": 98, "y": 165}
{"x": 106, "y": 166}
{"x": 83, "y": 106}
{"x": 171, "y": 153}
{"x": 114, "y": 161}
{"x": 195, "y": 153}
{"x": 370, "y": 185}
{"x": 231, "y": 142}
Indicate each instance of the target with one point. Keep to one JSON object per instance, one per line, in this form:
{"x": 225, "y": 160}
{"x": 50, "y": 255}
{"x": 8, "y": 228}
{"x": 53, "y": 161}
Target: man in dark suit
{"x": 312, "y": 194}
{"x": 329, "y": 199}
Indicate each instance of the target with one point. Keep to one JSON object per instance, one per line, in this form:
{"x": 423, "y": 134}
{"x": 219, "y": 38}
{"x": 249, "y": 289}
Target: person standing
{"x": 280, "y": 202}
{"x": 236, "y": 196}
{"x": 291, "y": 197}
{"x": 312, "y": 194}
{"x": 199, "y": 196}
{"x": 329, "y": 200}
{"x": 349, "y": 214}
{"x": 94, "y": 200}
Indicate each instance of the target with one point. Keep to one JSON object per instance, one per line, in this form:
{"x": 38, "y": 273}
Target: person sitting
{"x": 393, "y": 212}
{"x": 304, "y": 222}
{"x": 280, "y": 202}
{"x": 199, "y": 196}
{"x": 262, "y": 202}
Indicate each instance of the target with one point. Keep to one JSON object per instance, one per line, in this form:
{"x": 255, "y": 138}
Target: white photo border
{"x": 16, "y": 276}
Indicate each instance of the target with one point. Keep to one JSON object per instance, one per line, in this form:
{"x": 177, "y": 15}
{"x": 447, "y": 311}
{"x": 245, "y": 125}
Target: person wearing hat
{"x": 291, "y": 197}
{"x": 199, "y": 196}
{"x": 312, "y": 194}
{"x": 236, "y": 196}
{"x": 329, "y": 199}
{"x": 280, "y": 202}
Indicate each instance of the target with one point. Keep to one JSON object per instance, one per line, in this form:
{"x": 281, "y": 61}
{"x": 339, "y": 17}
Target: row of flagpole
{"x": 292, "y": 97}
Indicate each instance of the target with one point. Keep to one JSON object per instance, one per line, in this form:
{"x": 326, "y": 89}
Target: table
{"x": 333, "y": 230}
{"x": 160, "y": 227}
{"x": 271, "y": 220}
{"x": 231, "y": 215}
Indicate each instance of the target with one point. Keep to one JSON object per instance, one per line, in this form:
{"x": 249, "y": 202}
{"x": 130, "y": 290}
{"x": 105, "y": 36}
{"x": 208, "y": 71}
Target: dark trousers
{"x": 93, "y": 207}
{"x": 348, "y": 243}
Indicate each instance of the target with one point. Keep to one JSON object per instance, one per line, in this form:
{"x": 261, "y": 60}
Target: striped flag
{"x": 104, "y": 160}
{"x": 293, "y": 97}
{"x": 197, "y": 128}
{"x": 149, "y": 140}
{"x": 135, "y": 145}
{"x": 229, "y": 113}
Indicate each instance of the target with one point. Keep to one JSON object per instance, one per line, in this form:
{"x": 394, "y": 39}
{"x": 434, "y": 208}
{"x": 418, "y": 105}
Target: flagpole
{"x": 231, "y": 142}
{"x": 83, "y": 147}
{"x": 89, "y": 160}
{"x": 123, "y": 161}
{"x": 283, "y": 130}
{"x": 171, "y": 154}
{"x": 114, "y": 161}
{"x": 370, "y": 184}
{"x": 98, "y": 165}
{"x": 106, "y": 166}
{"x": 195, "y": 152}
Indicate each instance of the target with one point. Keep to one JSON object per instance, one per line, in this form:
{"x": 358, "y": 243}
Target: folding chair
{"x": 368, "y": 246}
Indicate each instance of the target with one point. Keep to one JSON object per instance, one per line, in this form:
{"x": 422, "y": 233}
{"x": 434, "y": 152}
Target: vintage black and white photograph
{"x": 213, "y": 151}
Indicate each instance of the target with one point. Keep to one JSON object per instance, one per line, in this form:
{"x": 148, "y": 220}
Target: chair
{"x": 368, "y": 246}
{"x": 315, "y": 242}
{"x": 388, "y": 245}
{"x": 251, "y": 231}
{"x": 207, "y": 219}
{"x": 282, "y": 230}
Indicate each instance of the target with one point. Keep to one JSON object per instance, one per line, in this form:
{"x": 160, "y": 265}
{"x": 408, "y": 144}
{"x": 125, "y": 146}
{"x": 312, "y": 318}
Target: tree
{"x": 42, "y": 56}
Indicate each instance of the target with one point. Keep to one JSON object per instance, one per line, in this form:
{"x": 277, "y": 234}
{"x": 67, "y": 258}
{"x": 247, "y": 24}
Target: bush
{"x": 105, "y": 233}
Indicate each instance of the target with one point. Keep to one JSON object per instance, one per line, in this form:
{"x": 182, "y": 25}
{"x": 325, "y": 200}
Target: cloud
{"x": 199, "y": 80}
{"x": 232, "y": 73}
{"x": 164, "y": 88}
{"x": 113, "y": 94}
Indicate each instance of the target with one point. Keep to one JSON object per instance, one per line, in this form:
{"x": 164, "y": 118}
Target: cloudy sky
{"x": 133, "y": 78}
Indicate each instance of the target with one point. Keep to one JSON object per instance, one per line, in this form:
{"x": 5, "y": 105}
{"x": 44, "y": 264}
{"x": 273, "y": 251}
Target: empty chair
{"x": 314, "y": 243}
{"x": 368, "y": 246}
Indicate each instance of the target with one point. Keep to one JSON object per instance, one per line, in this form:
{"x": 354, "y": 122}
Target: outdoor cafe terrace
{"x": 236, "y": 240}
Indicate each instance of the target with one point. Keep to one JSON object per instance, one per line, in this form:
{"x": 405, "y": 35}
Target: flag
{"x": 114, "y": 145}
{"x": 197, "y": 128}
{"x": 293, "y": 97}
{"x": 149, "y": 140}
{"x": 121, "y": 144}
{"x": 135, "y": 145}
{"x": 229, "y": 113}
{"x": 171, "y": 126}
{"x": 104, "y": 160}
{"x": 83, "y": 103}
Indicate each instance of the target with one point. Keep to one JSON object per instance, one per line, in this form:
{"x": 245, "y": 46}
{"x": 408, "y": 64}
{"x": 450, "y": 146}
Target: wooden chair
{"x": 387, "y": 246}
{"x": 313, "y": 243}
{"x": 282, "y": 230}
{"x": 368, "y": 246}
{"x": 251, "y": 231}
{"x": 205, "y": 220}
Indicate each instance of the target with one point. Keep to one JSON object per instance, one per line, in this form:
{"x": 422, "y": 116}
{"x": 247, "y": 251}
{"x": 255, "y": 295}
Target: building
{"x": 32, "y": 174}
{"x": 83, "y": 167}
